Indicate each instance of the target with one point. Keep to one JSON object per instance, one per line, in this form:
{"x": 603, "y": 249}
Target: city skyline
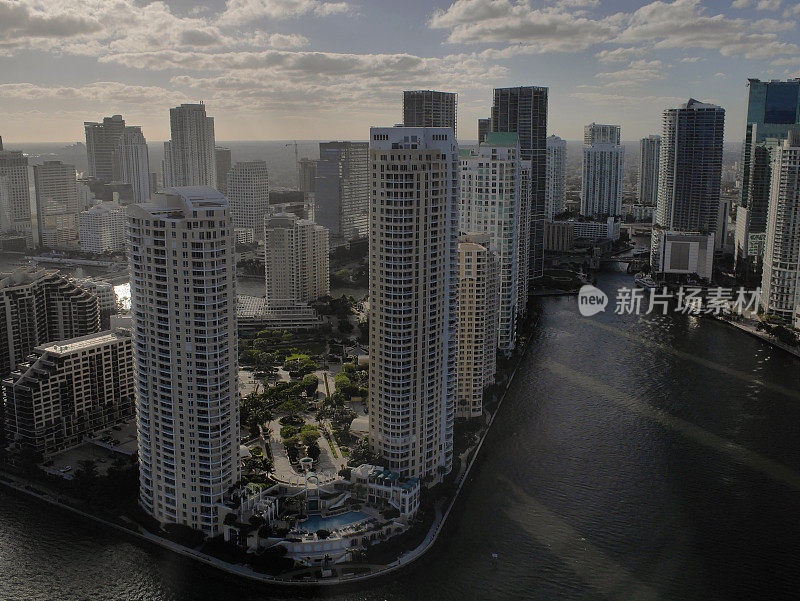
{"x": 260, "y": 75}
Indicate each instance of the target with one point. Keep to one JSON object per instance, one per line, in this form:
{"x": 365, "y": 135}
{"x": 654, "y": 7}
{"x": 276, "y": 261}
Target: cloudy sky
{"x": 311, "y": 69}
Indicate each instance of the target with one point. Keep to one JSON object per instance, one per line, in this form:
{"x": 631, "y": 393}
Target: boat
{"x": 645, "y": 281}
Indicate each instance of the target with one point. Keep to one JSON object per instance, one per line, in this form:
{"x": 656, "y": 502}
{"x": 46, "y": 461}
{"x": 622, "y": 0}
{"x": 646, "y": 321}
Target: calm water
{"x": 609, "y": 474}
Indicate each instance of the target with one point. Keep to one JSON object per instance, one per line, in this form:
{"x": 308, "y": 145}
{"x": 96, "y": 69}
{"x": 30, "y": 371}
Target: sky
{"x": 328, "y": 69}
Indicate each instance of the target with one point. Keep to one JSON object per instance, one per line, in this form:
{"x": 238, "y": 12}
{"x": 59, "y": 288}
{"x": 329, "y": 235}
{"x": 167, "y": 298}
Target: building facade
{"x": 183, "y": 302}
{"x": 101, "y": 144}
{"x": 102, "y": 228}
{"x": 413, "y": 287}
{"x": 190, "y": 156}
{"x": 524, "y": 110}
{"x": 780, "y": 282}
{"x": 39, "y": 306}
{"x": 773, "y": 109}
{"x": 341, "y": 189}
{"x": 490, "y": 204}
{"x": 222, "y": 159}
{"x": 248, "y": 195}
{"x": 601, "y": 183}
{"x": 429, "y": 108}
{"x": 15, "y": 182}
{"x": 649, "y": 153}
{"x": 132, "y": 163}
{"x": 556, "y": 192}
{"x": 477, "y": 332}
{"x": 690, "y": 172}
{"x": 68, "y": 390}
{"x": 307, "y": 174}
{"x": 296, "y": 260}
{"x": 57, "y": 205}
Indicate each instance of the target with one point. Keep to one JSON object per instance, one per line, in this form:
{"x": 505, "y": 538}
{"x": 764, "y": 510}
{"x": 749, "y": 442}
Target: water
{"x": 607, "y": 475}
{"x": 316, "y": 522}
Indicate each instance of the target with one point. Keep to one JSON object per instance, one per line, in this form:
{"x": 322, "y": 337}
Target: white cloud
{"x": 101, "y": 91}
{"x": 239, "y": 12}
{"x": 741, "y": 3}
{"x": 768, "y": 4}
{"x": 635, "y": 73}
{"x": 539, "y": 30}
{"x": 720, "y": 75}
{"x": 619, "y": 55}
{"x": 692, "y": 59}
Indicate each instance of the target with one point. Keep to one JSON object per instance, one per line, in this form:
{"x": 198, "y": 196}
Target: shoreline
{"x": 764, "y": 337}
{"x": 405, "y": 559}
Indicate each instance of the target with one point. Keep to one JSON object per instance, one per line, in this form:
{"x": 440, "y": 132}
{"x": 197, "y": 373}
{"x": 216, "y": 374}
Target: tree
{"x": 310, "y": 382}
{"x": 313, "y": 450}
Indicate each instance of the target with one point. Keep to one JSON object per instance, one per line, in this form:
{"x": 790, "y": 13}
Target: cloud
{"x": 539, "y": 30}
{"x": 239, "y": 12}
{"x": 692, "y": 59}
{"x": 21, "y": 20}
{"x": 101, "y": 91}
{"x": 720, "y": 75}
{"x": 635, "y": 73}
{"x": 768, "y": 4}
{"x": 683, "y": 24}
{"x": 623, "y": 100}
{"x": 284, "y": 41}
{"x": 619, "y": 55}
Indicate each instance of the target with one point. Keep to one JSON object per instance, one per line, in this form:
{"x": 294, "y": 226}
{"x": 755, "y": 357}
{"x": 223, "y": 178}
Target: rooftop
{"x": 65, "y": 347}
{"x": 497, "y": 138}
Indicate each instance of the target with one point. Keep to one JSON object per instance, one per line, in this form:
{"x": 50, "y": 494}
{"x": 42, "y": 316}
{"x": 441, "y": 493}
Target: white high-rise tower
{"x": 413, "y": 237}
{"x": 190, "y": 157}
{"x": 183, "y": 300}
{"x": 601, "y": 187}
{"x": 248, "y": 194}
{"x": 132, "y": 164}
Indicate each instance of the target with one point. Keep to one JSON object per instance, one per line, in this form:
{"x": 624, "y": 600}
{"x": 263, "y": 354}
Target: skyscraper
{"x": 649, "y": 151}
{"x": 39, "y": 306}
{"x": 428, "y": 108}
{"x": 413, "y": 287}
{"x": 189, "y": 156}
{"x": 780, "y": 283}
{"x": 601, "y": 184}
{"x": 690, "y": 172}
{"x": 773, "y": 108}
{"x": 307, "y": 171}
{"x": 183, "y": 303}
{"x": 131, "y": 163}
{"x": 484, "y": 127}
{"x": 296, "y": 261}
{"x": 490, "y": 204}
{"x": 556, "y": 192}
{"x": 524, "y": 110}
{"x": 222, "y": 158}
{"x": 15, "y": 182}
{"x": 101, "y": 143}
{"x": 102, "y": 228}
{"x": 342, "y": 188}
{"x": 57, "y": 205}
{"x": 478, "y": 292}
{"x": 248, "y": 195}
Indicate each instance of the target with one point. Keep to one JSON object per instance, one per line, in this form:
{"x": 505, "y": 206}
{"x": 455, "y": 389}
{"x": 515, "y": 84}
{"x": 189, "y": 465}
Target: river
{"x": 636, "y": 457}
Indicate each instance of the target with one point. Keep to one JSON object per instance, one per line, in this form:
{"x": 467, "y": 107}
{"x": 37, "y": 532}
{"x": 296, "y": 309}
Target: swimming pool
{"x": 317, "y": 522}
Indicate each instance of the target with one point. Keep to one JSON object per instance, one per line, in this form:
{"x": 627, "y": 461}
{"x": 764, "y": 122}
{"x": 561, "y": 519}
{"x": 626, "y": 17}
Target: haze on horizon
{"x": 314, "y": 69}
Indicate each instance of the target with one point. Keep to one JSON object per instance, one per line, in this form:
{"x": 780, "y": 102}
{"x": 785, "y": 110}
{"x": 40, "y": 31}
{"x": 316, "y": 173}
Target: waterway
{"x": 635, "y": 457}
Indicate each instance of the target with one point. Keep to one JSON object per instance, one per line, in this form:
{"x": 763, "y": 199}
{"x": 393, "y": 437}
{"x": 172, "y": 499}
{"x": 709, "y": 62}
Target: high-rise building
{"x": 68, "y": 390}
{"x": 413, "y": 287}
{"x": 296, "y": 260}
{"x": 773, "y": 108}
{"x": 102, "y": 228}
{"x": 14, "y": 173}
{"x": 57, "y": 205}
{"x": 342, "y": 189}
{"x": 649, "y": 152}
{"x": 524, "y": 110}
{"x": 556, "y": 191}
{"x": 428, "y": 108}
{"x": 484, "y": 127}
{"x": 189, "y": 156}
{"x": 491, "y": 196}
{"x": 780, "y": 283}
{"x": 690, "y": 173}
{"x": 183, "y": 302}
{"x": 307, "y": 172}
{"x": 478, "y": 292}
{"x": 222, "y": 158}
{"x": 248, "y": 196}
{"x": 601, "y": 185}
{"x": 131, "y": 163}
{"x": 101, "y": 143}
{"x": 39, "y": 306}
